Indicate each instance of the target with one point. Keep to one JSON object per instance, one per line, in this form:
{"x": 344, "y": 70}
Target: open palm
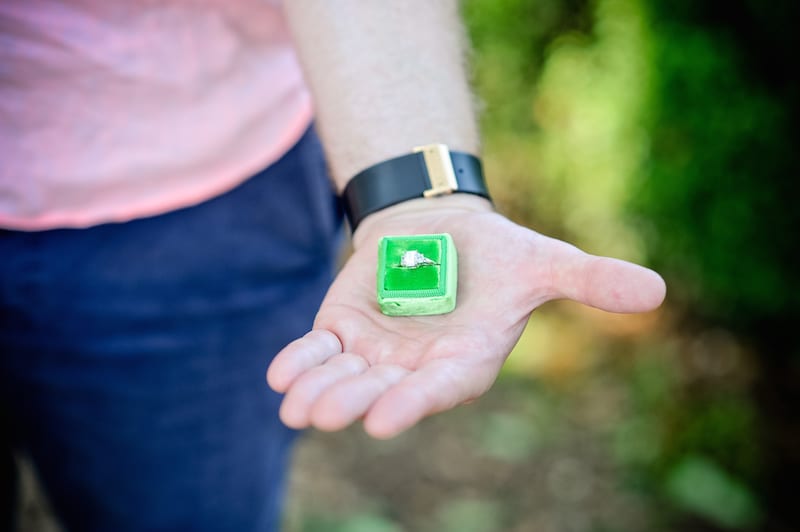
{"x": 393, "y": 371}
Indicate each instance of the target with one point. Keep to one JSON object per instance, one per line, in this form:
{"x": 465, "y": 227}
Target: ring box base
{"x": 424, "y": 290}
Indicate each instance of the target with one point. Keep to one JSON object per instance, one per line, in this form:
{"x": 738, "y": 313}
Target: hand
{"x": 393, "y": 371}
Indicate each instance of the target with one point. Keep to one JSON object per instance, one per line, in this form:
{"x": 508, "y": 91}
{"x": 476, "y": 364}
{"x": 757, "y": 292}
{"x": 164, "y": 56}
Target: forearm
{"x": 386, "y": 76}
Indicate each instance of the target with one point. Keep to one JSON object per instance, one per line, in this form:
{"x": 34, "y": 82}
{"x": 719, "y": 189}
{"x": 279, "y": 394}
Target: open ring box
{"x": 419, "y": 290}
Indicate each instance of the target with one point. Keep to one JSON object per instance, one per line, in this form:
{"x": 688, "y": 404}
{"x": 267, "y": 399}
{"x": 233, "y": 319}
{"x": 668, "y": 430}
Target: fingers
{"x": 391, "y": 398}
{"x": 350, "y": 398}
{"x": 303, "y": 393}
{"x": 437, "y": 386}
{"x": 301, "y": 355}
{"x": 609, "y": 284}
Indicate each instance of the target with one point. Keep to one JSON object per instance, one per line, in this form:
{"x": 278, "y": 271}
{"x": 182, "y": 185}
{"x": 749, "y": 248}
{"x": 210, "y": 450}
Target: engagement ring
{"x": 414, "y": 259}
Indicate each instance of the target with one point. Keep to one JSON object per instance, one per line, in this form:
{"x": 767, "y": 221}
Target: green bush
{"x": 719, "y": 188}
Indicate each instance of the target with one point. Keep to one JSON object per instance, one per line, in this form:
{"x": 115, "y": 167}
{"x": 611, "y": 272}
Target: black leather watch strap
{"x": 423, "y": 173}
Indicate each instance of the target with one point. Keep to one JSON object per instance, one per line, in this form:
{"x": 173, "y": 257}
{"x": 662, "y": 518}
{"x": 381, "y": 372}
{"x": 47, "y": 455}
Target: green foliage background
{"x": 678, "y": 114}
{"x": 720, "y": 181}
{"x": 663, "y": 131}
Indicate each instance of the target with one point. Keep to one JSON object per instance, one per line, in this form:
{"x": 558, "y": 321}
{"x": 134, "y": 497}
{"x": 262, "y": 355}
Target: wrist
{"x": 430, "y": 173}
{"x": 423, "y": 214}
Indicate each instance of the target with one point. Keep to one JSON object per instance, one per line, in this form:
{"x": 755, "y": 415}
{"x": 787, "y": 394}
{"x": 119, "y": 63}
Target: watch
{"x": 429, "y": 171}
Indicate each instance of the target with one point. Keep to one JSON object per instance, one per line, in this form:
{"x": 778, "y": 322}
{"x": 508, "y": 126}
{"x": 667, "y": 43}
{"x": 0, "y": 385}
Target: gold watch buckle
{"x": 441, "y": 173}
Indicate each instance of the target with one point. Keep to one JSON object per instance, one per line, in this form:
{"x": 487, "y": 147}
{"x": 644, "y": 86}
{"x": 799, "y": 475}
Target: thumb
{"x": 609, "y": 284}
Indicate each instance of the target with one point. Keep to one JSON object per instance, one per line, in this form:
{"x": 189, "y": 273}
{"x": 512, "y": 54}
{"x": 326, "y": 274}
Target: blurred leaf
{"x": 698, "y": 485}
{"x": 469, "y": 515}
{"x": 360, "y": 522}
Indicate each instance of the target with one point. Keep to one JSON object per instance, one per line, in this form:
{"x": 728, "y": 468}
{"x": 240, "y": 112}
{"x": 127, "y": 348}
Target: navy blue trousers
{"x": 133, "y": 354}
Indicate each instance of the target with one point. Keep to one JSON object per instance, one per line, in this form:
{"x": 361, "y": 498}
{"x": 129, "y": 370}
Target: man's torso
{"x": 113, "y": 110}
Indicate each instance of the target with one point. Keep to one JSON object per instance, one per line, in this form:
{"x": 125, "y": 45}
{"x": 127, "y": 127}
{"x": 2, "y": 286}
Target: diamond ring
{"x": 414, "y": 259}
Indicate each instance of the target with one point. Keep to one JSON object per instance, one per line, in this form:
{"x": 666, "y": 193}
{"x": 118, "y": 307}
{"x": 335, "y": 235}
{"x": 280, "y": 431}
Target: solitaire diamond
{"x": 414, "y": 259}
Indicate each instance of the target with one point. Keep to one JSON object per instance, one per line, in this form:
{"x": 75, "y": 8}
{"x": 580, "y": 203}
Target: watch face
{"x": 417, "y": 275}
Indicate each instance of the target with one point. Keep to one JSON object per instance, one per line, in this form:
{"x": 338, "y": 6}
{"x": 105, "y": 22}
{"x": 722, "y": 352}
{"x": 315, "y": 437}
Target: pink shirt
{"x": 117, "y": 109}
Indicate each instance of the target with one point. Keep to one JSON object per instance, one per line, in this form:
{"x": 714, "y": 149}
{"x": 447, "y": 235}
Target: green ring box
{"x": 427, "y": 289}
